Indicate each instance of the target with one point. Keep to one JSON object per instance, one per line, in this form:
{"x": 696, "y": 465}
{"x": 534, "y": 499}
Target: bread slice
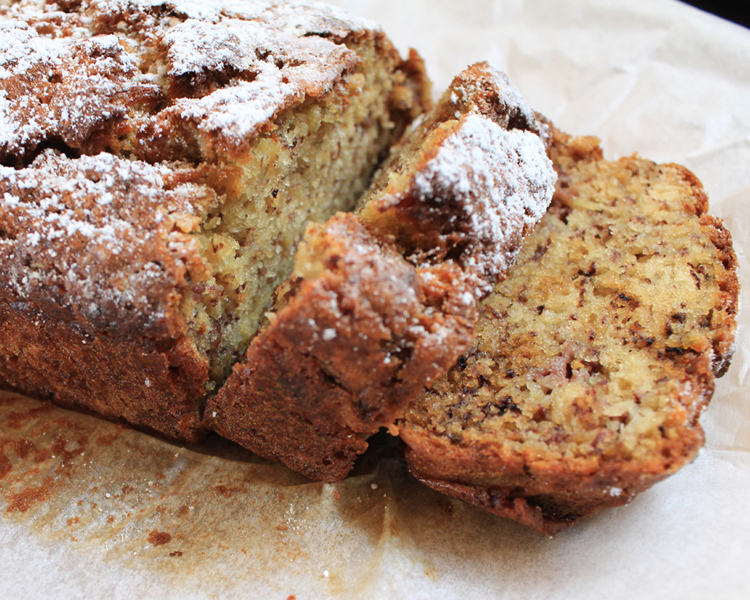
{"x": 595, "y": 358}
{"x": 383, "y": 302}
{"x": 162, "y": 160}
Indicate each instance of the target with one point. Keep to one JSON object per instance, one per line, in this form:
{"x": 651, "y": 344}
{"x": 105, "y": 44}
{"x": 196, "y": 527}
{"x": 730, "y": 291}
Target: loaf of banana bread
{"x": 160, "y": 161}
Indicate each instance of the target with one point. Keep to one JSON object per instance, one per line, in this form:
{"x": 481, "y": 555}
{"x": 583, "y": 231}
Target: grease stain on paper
{"x": 105, "y": 490}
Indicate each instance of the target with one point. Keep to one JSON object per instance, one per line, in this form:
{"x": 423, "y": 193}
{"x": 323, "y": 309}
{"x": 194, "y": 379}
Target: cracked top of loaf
{"x": 107, "y": 234}
{"x": 162, "y": 79}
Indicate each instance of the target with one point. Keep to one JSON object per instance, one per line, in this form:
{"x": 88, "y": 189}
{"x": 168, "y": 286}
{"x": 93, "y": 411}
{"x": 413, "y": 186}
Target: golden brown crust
{"x": 501, "y": 503}
{"x": 554, "y": 415}
{"x": 152, "y": 385}
{"x": 339, "y": 356}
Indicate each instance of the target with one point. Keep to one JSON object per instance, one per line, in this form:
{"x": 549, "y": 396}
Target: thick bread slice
{"x": 360, "y": 328}
{"x": 382, "y": 303}
{"x": 596, "y": 356}
{"x": 162, "y": 159}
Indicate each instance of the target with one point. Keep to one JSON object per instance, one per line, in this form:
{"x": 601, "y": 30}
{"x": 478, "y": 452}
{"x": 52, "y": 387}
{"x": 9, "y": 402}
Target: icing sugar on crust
{"x": 268, "y": 80}
{"x": 94, "y": 75}
{"x": 109, "y": 235}
{"x": 500, "y": 181}
{"x": 218, "y": 70}
{"x": 481, "y": 179}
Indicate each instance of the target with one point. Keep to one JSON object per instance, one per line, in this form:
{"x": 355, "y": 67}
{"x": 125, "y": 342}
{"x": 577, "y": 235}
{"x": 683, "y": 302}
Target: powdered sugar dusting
{"x": 100, "y": 231}
{"x": 195, "y": 45}
{"x": 108, "y": 67}
{"x": 280, "y": 70}
{"x": 502, "y": 182}
{"x": 97, "y": 78}
{"x": 21, "y": 48}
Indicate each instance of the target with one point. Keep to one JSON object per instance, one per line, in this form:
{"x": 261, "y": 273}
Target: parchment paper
{"x": 89, "y": 509}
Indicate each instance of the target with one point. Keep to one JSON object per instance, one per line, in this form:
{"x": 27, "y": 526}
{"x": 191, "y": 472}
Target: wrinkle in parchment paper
{"x": 93, "y": 509}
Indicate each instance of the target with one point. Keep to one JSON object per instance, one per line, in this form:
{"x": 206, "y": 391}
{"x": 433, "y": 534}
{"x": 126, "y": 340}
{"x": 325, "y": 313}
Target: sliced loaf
{"x": 383, "y": 302}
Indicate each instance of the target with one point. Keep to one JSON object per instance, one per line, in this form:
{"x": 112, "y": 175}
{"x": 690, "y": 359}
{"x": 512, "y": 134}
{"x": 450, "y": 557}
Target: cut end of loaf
{"x": 382, "y": 302}
{"x": 318, "y": 160}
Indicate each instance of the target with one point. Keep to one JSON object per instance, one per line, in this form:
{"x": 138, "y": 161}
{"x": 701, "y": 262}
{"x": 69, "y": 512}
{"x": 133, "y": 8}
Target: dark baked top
{"x": 100, "y": 239}
{"x": 162, "y": 79}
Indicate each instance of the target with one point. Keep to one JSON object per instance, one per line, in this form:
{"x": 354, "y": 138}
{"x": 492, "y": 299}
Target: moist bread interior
{"x": 594, "y": 359}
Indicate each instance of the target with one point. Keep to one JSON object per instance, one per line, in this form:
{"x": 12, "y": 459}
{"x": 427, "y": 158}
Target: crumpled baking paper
{"x": 90, "y": 509}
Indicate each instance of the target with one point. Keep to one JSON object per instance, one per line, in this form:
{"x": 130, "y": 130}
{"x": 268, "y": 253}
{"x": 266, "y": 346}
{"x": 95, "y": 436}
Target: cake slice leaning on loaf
{"x": 594, "y": 359}
{"x": 383, "y": 301}
{"x": 161, "y": 161}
